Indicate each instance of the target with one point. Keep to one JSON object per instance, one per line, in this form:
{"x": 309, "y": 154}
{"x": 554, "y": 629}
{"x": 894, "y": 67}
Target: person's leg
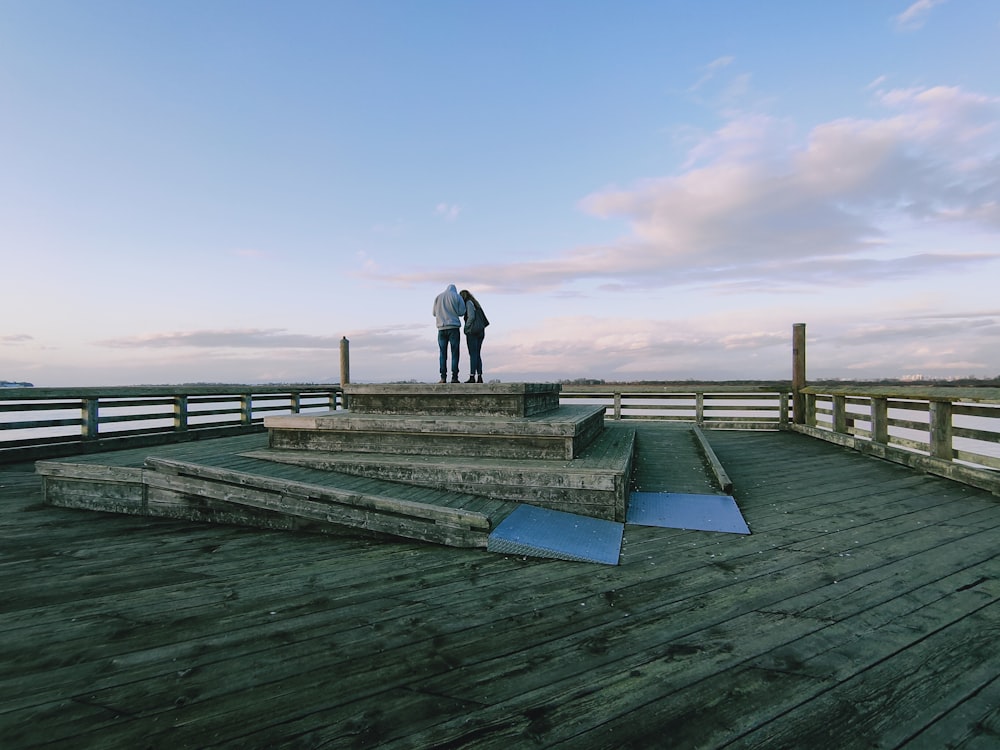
{"x": 443, "y": 339}
{"x": 470, "y": 344}
{"x": 474, "y": 343}
{"x": 455, "y": 339}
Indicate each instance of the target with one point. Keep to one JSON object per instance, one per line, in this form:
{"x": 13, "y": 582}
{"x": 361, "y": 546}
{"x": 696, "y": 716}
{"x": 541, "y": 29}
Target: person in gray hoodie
{"x": 449, "y": 308}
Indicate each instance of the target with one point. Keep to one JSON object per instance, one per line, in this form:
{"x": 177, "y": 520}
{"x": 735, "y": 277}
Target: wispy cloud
{"x": 16, "y": 338}
{"x": 915, "y": 16}
{"x": 447, "y": 211}
{"x": 225, "y": 339}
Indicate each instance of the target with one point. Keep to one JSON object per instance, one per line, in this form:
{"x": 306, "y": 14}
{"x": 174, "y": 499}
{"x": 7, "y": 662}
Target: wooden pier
{"x": 862, "y": 611}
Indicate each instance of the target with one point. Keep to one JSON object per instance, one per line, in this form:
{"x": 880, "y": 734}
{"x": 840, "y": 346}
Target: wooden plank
{"x": 378, "y": 503}
{"x": 723, "y": 480}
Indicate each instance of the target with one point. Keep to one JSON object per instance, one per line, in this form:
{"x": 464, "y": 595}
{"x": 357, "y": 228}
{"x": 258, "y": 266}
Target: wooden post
{"x": 345, "y": 361}
{"x": 345, "y": 368}
{"x": 180, "y": 413}
{"x": 880, "y": 420}
{"x": 699, "y": 408}
{"x": 246, "y": 408}
{"x": 89, "y": 418}
{"x": 798, "y": 372}
{"x": 618, "y": 405}
{"x": 840, "y": 414}
{"x": 940, "y": 430}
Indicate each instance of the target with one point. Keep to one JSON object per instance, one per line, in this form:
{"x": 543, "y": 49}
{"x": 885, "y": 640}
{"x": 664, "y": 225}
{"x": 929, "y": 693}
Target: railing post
{"x": 840, "y": 414}
{"x": 296, "y": 402}
{"x": 618, "y": 405}
{"x": 809, "y": 417}
{"x": 246, "y": 408}
{"x": 180, "y": 413}
{"x": 699, "y": 408}
{"x": 89, "y": 422}
{"x": 940, "y": 430}
{"x": 782, "y": 409}
{"x": 798, "y": 372}
{"x": 880, "y": 420}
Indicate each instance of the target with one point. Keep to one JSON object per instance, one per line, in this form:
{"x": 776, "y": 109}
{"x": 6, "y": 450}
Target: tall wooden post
{"x": 345, "y": 367}
{"x": 798, "y": 372}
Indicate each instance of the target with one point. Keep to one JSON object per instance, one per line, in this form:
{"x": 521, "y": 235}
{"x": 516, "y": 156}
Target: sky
{"x": 222, "y": 191}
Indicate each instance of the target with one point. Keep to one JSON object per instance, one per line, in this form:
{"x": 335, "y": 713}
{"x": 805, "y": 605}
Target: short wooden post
{"x": 89, "y": 422}
{"x": 840, "y": 414}
{"x": 618, "y": 405}
{"x": 296, "y": 402}
{"x": 940, "y": 430}
{"x": 880, "y": 420}
{"x": 246, "y": 409}
{"x": 798, "y": 372}
{"x": 180, "y": 413}
{"x": 783, "y": 409}
{"x": 699, "y": 408}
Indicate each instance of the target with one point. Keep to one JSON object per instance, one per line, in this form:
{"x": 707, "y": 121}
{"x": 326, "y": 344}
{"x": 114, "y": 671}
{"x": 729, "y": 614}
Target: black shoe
{"x": 454, "y": 379}
{"x": 472, "y": 379}
{"x": 480, "y": 379}
{"x": 442, "y": 380}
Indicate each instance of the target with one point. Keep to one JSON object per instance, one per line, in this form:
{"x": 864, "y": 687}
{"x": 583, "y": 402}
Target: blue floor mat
{"x": 676, "y": 510}
{"x": 539, "y": 532}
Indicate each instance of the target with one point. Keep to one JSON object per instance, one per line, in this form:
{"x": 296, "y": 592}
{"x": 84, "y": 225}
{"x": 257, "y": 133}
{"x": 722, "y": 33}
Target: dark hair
{"x": 467, "y": 295}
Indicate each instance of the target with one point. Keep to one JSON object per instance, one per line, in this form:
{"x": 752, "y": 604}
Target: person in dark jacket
{"x": 475, "y": 331}
{"x": 449, "y": 307}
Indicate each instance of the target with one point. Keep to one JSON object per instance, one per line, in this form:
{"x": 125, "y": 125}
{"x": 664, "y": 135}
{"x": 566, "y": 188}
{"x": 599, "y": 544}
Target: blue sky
{"x": 219, "y": 191}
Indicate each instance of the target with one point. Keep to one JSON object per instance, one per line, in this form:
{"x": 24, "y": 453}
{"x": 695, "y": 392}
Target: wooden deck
{"x": 863, "y": 611}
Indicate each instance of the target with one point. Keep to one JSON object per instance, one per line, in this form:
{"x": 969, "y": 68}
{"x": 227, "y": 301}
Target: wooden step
{"x": 596, "y": 483}
{"x": 559, "y": 434}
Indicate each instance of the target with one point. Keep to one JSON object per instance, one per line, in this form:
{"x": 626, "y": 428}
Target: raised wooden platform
{"x": 212, "y": 481}
{"x": 454, "y": 399}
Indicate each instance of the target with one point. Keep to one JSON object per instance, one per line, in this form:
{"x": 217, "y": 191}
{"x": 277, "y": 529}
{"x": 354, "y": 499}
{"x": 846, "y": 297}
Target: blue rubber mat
{"x": 675, "y": 510}
{"x": 539, "y": 532}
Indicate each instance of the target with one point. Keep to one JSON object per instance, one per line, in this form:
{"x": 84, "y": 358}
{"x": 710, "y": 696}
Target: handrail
{"x": 713, "y": 405}
{"x": 951, "y": 432}
{"x": 48, "y": 422}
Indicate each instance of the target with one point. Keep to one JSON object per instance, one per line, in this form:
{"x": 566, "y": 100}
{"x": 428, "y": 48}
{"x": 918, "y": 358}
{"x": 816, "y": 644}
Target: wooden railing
{"x": 47, "y": 422}
{"x": 706, "y": 405}
{"x": 953, "y": 432}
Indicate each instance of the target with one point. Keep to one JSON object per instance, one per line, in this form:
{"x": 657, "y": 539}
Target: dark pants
{"x": 475, "y": 343}
{"x": 449, "y": 337}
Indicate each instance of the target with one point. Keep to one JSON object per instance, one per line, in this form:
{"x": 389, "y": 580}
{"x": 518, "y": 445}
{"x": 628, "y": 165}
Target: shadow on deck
{"x": 862, "y": 611}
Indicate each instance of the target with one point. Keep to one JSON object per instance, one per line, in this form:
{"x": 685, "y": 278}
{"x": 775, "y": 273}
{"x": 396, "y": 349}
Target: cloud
{"x": 16, "y": 338}
{"x": 710, "y": 71}
{"x": 225, "y": 339}
{"x": 447, "y": 211}
{"x": 754, "y": 200}
{"x": 915, "y": 15}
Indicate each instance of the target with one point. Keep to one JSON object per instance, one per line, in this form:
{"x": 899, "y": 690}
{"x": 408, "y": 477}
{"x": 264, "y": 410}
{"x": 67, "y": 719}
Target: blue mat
{"x": 539, "y": 532}
{"x": 675, "y": 510}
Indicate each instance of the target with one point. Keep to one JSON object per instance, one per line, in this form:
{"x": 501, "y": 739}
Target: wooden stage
{"x": 862, "y": 611}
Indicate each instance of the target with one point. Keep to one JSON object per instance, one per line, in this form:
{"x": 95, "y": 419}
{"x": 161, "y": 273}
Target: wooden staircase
{"x": 438, "y": 463}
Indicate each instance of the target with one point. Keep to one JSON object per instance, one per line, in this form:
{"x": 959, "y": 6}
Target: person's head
{"x": 465, "y": 294}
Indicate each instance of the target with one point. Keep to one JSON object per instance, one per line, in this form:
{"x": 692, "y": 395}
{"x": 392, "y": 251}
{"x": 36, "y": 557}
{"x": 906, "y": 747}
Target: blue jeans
{"x": 475, "y": 343}
{"x": 448, "y": 337}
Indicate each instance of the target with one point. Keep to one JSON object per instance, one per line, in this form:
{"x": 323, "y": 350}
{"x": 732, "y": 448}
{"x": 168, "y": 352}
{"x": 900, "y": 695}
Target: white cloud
{"x": 915, "y": 15}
